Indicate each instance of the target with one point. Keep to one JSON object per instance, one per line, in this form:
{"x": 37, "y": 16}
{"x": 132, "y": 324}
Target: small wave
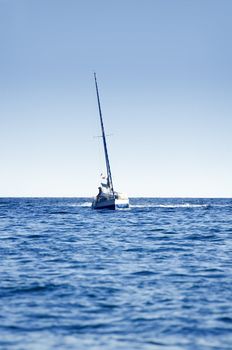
{"x": 225, "y": 319}
{"x": 60, "y": 212}
{"x": 84, "y": 204}
{"x": 143, "y": 273}
{"x": 187, "y": 205}
{"x": 28, "y": 289}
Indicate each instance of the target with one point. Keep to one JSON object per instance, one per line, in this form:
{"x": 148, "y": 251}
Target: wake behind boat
{"x": 107, "y": 198}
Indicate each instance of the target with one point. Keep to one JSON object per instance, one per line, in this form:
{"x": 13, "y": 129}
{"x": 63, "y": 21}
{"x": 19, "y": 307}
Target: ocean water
{"x": 156, "y": 276}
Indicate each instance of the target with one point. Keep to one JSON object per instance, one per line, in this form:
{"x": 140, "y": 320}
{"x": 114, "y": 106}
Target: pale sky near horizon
{"x": 165, "y": 81}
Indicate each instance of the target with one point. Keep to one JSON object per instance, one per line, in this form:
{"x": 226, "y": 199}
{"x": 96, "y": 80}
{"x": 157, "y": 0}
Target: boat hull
{"x": 111, "y": 204}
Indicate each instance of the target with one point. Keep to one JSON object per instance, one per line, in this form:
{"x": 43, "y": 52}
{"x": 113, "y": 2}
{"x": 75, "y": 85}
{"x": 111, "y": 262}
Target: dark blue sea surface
{"x": 156, "y": 276}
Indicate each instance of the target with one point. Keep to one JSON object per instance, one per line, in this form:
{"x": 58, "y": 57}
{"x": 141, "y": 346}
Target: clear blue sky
{"x": 165, "y": 79}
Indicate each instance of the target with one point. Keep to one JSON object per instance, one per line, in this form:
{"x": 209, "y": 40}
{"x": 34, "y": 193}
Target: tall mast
{"x": 109, "y": 177}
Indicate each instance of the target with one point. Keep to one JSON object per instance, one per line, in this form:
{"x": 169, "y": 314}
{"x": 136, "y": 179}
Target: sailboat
{"x": 107, "y": 198}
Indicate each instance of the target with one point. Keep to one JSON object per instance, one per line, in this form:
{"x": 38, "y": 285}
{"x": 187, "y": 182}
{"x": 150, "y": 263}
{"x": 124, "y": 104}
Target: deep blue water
{"x": 156, "y": 276}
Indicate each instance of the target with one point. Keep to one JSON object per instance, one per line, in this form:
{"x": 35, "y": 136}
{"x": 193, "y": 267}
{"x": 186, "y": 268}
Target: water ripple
{"x": 157, "y": 276}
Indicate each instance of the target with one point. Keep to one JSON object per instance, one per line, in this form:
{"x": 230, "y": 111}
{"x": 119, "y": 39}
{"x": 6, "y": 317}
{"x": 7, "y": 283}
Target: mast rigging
{"x": 109, "y": 176}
